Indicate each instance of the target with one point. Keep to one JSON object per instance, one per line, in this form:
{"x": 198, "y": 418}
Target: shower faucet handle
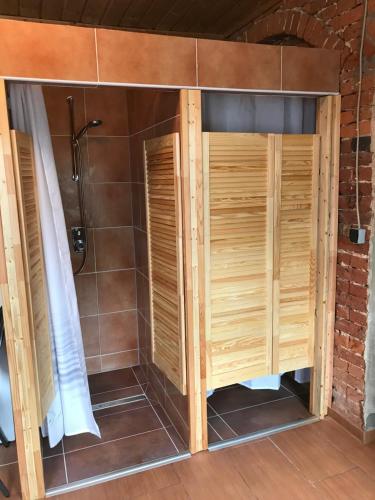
{"x": 79, "y": 239}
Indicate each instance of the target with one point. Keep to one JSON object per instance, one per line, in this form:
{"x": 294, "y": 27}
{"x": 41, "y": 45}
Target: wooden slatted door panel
{"x": 28, "y": 211}
{"x": 238, "y": 206}
{"x": 164, "y": 231}
{"x": 295, "y": 237}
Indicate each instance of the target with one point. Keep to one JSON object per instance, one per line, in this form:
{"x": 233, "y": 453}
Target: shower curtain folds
{"x": 71, "y": 411}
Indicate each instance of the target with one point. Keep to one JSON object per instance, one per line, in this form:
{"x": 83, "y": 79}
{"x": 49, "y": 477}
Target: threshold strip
{"x": 110, "y": 476}
{"x": 262, "y": 434}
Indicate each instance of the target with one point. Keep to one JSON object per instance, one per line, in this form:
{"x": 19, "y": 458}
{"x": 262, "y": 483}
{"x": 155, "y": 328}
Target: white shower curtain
{"x": 71, "y": 411}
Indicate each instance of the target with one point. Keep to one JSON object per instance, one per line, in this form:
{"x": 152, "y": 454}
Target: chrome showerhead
{"x": 91, "y": 124}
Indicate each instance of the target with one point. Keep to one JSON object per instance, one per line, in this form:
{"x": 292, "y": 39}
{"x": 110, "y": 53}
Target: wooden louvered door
{"x": 260, "y": 223}
{"x": 32, "y": 250}
{"x": 295, "y": 250}
{"x": 164, "y": 232}
{"x": 238, "y": 213}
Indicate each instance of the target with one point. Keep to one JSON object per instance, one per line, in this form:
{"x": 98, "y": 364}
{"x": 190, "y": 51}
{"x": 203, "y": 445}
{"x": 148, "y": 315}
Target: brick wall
{"x": 337, "y": 25}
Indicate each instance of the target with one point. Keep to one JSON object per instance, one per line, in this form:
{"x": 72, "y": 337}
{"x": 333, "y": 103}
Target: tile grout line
{"x": 113, "y": 440}
{"x": 155, "y": 125}
{"x": 215, "y": 431}
{"x": 11, "y": 463}
{"x": 121, "y": 412}
{"x": 172, "y": 403}
{"x": 196, "y": 63}
{"x": 157, "y": 416}
{"x": 65, "y": 467}
{"x": 96, "y": 55}
{"x": 256, "y": 405}
{"x": 118, "y": 389}
{"x": 221, "y": 418}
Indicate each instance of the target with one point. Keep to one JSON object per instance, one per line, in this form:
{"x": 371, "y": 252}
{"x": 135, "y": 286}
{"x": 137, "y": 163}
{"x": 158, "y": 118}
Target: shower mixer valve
{"x": 79, "y": 239}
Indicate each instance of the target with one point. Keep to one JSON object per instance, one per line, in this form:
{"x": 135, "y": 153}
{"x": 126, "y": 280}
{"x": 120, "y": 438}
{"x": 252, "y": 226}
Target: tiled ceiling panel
{"x": 203, "y": 18}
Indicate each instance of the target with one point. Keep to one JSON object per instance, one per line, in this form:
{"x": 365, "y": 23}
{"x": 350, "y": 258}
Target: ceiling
{"x": 203, "y": 18}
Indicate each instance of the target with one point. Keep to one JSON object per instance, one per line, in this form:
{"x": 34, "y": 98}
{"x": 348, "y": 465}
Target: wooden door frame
{"x": 328, "y": 126}
{"x": 16, "y": 323}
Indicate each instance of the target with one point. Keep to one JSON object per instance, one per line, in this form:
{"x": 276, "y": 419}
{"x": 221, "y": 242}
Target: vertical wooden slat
{"x": 328, "y": 126}
{"x": 276, "y": 254}
{"x": 207, "y": 242}
{"x": 192, "y": 184}
{"x": 164, "y": 234}
{"x": 17, "y": 327}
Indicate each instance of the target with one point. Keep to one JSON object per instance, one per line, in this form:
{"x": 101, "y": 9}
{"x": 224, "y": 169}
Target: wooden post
{"x": 192, "y": 192}
{"x": 16, "y": 320}
{"x": 328, "y": 126}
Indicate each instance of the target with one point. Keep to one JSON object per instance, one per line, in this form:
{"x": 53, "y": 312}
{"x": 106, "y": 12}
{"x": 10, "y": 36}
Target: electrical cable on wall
{"x": 357, "y": 235}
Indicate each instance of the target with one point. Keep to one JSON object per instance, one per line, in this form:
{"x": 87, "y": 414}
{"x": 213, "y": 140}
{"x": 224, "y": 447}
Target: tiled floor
{"x": 236, "y": 410}
{"x": 321, "y": 461}
{"x": 131, "y": 434}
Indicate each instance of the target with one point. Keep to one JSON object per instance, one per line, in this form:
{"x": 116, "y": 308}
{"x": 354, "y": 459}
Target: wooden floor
{"x": 319, "y": 461}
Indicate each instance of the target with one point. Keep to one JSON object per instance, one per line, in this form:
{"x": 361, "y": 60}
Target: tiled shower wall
{"x": 106, "y": 287}
{"x": 151, "y": 114}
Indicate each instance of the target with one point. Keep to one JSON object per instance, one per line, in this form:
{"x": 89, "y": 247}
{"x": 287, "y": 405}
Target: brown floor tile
{"x": 8, "y": 455}
{"x": 10, "y": 476}
{"x": 352, "y": 484}
{"x": 302, "y": 390}
{"x": 54, "y": 471}
{"x": 165, "y": 420}
{"x": 140, "y": 374}
{"x": 213, "y": 437}
{"x": 50, "y": 452}
{"x": 315, "y": 457}
{"x": 267, "y": 415}
{"x": 268, "y": 474}
{"x": 220, "y": 428}
{"x": 118, "y": 454}
{"x": 210, "y": 411}
{"x": 110, "y": 381}
{"x": 177, "y": 440}
{"x": 238, "y": 397}
{"x": 116, "y": 426}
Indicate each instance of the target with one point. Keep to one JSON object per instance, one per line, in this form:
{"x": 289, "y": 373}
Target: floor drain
{"x": 118, "y": 402}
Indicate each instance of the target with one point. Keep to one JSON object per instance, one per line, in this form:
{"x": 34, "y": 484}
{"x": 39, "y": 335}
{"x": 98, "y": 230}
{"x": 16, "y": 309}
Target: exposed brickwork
{"x": 337, "y": 25}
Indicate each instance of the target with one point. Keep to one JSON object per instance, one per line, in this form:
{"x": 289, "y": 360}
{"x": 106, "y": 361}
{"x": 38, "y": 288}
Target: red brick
{"x": 358, "y": 290}
{"x": 359, "y": 262}
{"x": 354, "y": 395}
{"x": 358, "y": 318}
{"x": 359, "y": 276}
{"x": 356, "y": 371}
